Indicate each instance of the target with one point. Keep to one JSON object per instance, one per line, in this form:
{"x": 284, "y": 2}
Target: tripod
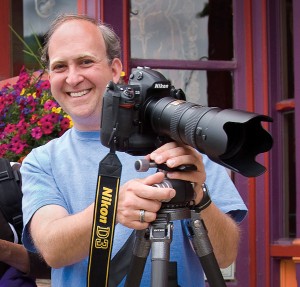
{"x": 158, "y": 238}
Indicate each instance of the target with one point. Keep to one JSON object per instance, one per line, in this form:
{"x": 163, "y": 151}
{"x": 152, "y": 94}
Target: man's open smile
{"x": 78, "y": 94}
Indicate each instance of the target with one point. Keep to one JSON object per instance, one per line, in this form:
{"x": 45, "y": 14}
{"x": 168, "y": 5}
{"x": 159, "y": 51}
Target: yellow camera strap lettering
{"x": 105, "y": 211}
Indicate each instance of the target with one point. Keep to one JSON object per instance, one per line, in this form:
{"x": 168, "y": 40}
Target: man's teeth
{"x": 79, "y": 94}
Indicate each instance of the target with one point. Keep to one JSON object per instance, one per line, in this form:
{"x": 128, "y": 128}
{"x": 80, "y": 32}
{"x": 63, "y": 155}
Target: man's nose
{"x": 74, "y": 77}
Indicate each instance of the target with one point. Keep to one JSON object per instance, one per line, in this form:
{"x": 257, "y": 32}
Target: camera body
{"x": 148, "y": 112}
{"x": 125, "y": 108}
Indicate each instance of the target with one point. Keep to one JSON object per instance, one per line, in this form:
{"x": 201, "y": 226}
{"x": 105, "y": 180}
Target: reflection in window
{"x": 289, "y": 176}
{"x": 195, "y": 86}
{"x": 187, "y": 30}
{"x": 181, "y": 29}
{"x": 37, "y": 16}
{"x": 287, "y": 49}
{"x": 288, "y": 135}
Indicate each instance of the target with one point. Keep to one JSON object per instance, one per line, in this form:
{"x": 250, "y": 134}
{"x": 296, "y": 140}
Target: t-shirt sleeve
{"x": 39, "y": 189}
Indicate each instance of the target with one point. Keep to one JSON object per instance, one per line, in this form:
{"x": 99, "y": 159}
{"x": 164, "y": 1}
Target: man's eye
{"x": 86, "y": 62}
{"x": 58, "y": 67}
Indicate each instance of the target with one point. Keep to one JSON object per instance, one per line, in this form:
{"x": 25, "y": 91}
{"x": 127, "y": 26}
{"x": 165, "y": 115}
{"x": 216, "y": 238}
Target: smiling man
{"x": 79, "y": 71}
{"x": 59, "y": 178}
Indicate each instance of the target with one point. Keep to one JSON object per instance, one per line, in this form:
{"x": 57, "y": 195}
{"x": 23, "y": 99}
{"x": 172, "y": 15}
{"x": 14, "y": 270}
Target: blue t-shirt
{"x": 64, "y": 172}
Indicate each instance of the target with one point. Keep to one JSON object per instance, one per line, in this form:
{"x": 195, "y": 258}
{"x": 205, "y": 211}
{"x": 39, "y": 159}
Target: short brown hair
{"x": 111, "y": 40}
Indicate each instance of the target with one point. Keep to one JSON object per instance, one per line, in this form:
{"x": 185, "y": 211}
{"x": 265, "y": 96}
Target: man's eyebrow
{"x": 77, "y": 58}
{"x": 90, "y": 56}
{"x": 55, "y": 62}
{"x": 86, "y": 55}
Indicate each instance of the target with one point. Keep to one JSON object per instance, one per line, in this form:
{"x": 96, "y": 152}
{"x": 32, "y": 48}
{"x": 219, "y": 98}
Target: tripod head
{"x": 184, "y": 189}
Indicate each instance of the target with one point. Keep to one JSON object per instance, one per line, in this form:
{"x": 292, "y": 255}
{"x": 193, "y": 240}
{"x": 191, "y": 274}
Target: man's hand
{"x": 175, "y": 155}
{"x": 139, "y": 194}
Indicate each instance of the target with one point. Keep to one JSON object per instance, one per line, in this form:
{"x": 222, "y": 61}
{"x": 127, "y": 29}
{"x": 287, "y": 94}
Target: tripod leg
{"x": 139, "y": 257}
{"x": 204, "y": 250}
{"x": 160, "y": 237}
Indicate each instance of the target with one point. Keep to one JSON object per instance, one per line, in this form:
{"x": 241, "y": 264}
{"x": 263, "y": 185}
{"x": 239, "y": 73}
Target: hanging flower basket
{"x": 29, "y": 115}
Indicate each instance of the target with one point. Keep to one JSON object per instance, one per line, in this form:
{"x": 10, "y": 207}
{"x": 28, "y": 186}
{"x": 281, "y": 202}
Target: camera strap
{"x": 103, "y": 228}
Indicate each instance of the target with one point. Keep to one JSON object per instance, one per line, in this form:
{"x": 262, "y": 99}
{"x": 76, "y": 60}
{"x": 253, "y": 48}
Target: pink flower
{"x": 9, "y": 128}
{"x": 34, "y": 119}
{"x": 36, "y": 133}
{"x": 65, "y": 123}
{"x": 47, "y": 128}
{"x": 22, "y": 127}
{"x": 15, "y": 140}
{"x": 45, "y": 85}
{"x": 49, "y": 105}
{"x": 3, "y": 149}
{"x": 18, "y": 147}
{"x": 46, "y": 119}
{"x": 9, "y": 99}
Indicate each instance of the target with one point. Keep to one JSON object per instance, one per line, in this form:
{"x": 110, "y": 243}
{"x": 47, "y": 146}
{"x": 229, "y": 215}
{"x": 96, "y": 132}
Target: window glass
{"x": 287, "y": 49}
{"x": 181, "y": 29}
{"x": 37, "y": 16}
{"x": 203, "y": 87}
{"x": 289, "y": 177}
{"x": 288, "y": 122}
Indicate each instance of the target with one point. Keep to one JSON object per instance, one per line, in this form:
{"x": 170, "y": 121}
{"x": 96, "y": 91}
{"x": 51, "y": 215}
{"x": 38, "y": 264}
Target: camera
{"x": 148, "y": 112}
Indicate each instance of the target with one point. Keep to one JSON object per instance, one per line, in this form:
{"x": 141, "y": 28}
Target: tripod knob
{"x": 143, "y": 165}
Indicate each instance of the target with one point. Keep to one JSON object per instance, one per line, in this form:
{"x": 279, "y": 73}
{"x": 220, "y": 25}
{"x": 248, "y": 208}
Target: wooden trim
{"x": 284, "y": 251}
{"x": 288, "y": 274}
{"x": 285, "y": 105}
{"x": 185, "y": 64}
{"x": 126, "y": 38}
{"x": 286, "y": 248}
{"x": 91, "y": 8}
{"x": 296, "y": 23}
{"x": 5, "y": 49}
{"x": 261, "y": 106}
{"x": 249, "y": 101}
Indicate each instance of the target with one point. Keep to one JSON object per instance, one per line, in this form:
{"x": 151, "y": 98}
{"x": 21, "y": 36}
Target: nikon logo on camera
{"x": 161, "y": 86}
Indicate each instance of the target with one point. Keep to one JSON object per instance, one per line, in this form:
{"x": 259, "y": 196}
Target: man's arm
{"x": 61, "y": 239}
{"x": 224, "y": 234}
{"x": 64, "y": 239}
{"x": 14, "y": 255}
{"x": 222, "y": 229}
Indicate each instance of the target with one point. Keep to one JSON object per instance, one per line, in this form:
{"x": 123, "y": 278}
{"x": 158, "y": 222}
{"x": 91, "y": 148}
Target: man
{"x": 59, "y": 179}
{"x": 18, "y": 267}
{"x": 14, "y": 258}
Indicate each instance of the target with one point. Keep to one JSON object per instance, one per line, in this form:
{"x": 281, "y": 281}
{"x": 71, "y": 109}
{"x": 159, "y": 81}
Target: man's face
{"x": 80, "y": 71}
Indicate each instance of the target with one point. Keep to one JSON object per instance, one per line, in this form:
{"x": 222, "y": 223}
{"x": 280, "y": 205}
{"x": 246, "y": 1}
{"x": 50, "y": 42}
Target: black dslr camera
{"x": 149, "y": 111}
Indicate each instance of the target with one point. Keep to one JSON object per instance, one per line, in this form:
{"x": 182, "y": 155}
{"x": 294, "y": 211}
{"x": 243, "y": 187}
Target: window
{"x": 284, "y": 119}
{"x": 32, "y": 18}
{"x": 187, "y": 33}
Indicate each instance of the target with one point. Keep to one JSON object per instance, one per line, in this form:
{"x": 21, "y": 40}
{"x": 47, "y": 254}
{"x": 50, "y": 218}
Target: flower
{"x": 29, "y": 116}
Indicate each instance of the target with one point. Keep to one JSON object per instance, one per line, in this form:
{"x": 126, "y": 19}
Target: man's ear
{"x": 116, "y": 67}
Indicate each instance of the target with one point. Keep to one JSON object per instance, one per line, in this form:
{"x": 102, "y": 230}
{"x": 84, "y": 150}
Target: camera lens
{"x": 232, "y": 138}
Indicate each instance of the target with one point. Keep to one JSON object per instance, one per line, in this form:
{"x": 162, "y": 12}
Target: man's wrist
{"x": 205, "y": 201}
